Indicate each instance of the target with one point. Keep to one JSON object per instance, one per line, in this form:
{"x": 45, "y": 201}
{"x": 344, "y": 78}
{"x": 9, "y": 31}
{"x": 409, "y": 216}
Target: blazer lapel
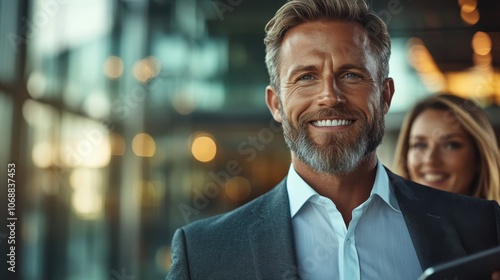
{"x": 271, "y": 237}
{"x": 434, "y": 237}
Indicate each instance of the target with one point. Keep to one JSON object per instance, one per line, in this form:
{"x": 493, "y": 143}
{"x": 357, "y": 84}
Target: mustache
{"x": 339, "y": 112}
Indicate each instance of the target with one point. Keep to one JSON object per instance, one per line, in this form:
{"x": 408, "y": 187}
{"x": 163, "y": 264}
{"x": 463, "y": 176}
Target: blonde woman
{"x": 447, "y": 142}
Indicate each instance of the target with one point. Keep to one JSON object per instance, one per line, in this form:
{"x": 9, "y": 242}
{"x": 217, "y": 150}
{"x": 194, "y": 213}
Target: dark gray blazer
{"x": 256, "y": 241}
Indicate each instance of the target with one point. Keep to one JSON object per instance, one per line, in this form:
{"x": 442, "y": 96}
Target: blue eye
{"x": 352, "y": 76}
{"x": 306, "y": 77}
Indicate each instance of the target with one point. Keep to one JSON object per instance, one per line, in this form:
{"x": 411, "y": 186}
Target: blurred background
{"x": 127, "y": 119}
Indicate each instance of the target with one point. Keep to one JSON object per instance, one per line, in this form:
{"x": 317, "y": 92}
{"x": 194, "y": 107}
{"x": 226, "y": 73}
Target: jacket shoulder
{"x": 241, "y": 217}
{"x": 224, "y": 246}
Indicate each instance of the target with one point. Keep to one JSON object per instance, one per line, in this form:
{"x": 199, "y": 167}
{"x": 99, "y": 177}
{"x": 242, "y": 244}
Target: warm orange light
{"x": 117, "y": 144}
{"x": 238, "y": 188}
{"x": 476, "y": 84}
{"x": 420, "y": 57}
{"x": 467, "y": 5}
{"x": 146, "y": 69}
{"x": 163, "y": 258}
{"x": 470, "y": 18}
{"x": 483, "y": 60}
{"x": 423, "y": 62}
{"x": 203, "y": 147}
{"x": 481, "y": 43}
{"x": 113, "y": 67}
{"x": 143, "y": 145}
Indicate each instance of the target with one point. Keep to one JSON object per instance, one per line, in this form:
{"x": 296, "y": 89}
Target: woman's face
{"x": 441, "y": 153}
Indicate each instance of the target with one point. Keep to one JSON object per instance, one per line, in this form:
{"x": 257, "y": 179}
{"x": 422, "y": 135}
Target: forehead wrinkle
{"x": 354, "y": 46}
{"x": 325, "y": 47}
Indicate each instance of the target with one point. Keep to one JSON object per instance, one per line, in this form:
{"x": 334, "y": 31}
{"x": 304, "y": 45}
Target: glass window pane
{"x": 12, "y": 41}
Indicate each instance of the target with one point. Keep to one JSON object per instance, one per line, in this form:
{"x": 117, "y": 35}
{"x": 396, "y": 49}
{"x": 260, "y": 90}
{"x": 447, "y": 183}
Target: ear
{"x": 387, "y": 93}
{"x": 273, "y": 103}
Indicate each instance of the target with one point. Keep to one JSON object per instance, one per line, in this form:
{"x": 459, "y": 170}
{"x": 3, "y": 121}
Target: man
{"x": 339, "y": 214}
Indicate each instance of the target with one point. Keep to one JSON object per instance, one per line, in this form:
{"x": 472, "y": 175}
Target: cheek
{"x": 414, "y": 159}
{"x": 412, "y": 164}
{"x": 374, "y": 104}
{"x": 464, "y": 164}
{"x": 295, "y": 107}
{"x": 465, "y": 176}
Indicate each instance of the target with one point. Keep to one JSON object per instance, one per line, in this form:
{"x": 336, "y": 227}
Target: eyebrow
{"x": 355, "y": 66}
{"x": 452, "y": 135}
{"x": 300, "y": 68}
{"x": 443, "y": 137}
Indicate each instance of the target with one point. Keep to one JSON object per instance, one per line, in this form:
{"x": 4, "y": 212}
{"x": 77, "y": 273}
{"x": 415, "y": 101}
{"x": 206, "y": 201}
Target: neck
{"x": 347, "y": 191}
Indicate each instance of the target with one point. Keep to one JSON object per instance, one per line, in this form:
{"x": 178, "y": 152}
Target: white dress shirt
{"x": 376, "y": 245}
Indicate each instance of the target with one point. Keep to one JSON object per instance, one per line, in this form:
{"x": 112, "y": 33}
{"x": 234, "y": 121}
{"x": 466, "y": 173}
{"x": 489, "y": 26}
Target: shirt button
{"x": 348, "y": 241}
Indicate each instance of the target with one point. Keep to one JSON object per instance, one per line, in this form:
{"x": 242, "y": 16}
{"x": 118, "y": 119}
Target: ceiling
{"x": 436, "y": 22}
{"x": 444, "y": 33}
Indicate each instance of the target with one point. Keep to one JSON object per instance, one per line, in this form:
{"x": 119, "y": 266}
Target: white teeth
{"x": 433, "y": 177}
{"x": 332, "y": 122}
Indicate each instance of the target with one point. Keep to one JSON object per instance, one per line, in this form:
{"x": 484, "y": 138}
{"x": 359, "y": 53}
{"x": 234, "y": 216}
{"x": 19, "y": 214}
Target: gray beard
{"x": 341, "y": 153}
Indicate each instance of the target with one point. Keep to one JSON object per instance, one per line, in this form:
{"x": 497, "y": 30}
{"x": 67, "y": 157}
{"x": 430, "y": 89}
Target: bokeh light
{"x": 97, "y": 105}
{"x": 471, "y": 17}
{"x": 36, "y": 85}
{"x": 113, "y": 67}
{"x": 467, "y": 5}
{"x": 43, "y": 154}
{"x": 203, "y": 147}
{"x": 146, "y": 69}
{"x": 143, "y": 145}
{"x": 87, "y": 199}
{"x": 183, "y": 102}
{"x": 238, "y": 188}
{"x": 481, "y": 43}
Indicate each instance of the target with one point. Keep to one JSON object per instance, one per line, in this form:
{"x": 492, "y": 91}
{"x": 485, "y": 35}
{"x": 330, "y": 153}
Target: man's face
{"x": 331, "y": 102}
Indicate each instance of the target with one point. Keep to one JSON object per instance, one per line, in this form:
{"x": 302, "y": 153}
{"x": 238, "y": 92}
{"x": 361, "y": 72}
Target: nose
{"x": 330, "y": 94}
{"x": 432, "y": 155}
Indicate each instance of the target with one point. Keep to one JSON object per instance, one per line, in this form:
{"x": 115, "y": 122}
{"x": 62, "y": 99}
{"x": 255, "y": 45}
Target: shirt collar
{"x": 299, "y": 192}
{"x": 383, "y": 189}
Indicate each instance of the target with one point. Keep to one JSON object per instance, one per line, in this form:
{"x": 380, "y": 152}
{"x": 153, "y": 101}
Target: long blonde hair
{"x": 475, "y": 122}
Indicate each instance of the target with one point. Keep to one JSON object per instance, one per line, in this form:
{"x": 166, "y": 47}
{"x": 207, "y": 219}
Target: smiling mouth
{"x": 433, "y": 178}
{"x": 331, "y": 123}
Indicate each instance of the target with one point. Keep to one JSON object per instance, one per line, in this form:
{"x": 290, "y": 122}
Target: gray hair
{"x": 296, "y": 12}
